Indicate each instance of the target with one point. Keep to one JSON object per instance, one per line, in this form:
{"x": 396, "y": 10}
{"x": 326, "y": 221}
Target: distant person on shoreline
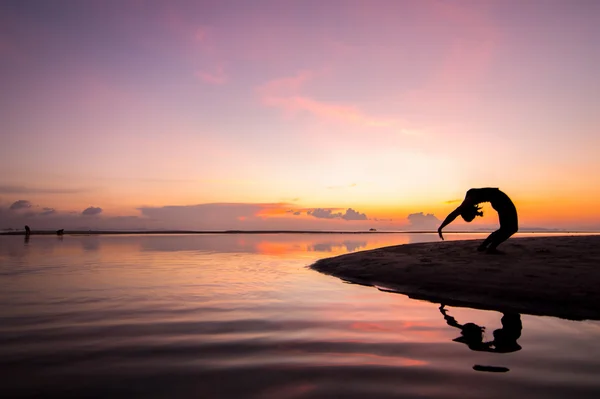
{"x": 469, "y": 209}
{"x": 27, "y": 230}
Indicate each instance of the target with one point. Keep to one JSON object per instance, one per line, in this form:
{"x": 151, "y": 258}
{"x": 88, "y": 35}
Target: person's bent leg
{"x": 487, "y": 241}
{"x": 499, "y": 237}
{"x": 483, "y": 246}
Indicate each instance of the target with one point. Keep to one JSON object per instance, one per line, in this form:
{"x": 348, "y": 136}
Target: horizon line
{"x": 200, "y": 232}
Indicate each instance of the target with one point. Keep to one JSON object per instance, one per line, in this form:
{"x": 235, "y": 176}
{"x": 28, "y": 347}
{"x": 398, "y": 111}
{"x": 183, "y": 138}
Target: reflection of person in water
{"x": 469, "y": 209}
{"x": 505, "y": 338}
{"x": 27, "y": 233}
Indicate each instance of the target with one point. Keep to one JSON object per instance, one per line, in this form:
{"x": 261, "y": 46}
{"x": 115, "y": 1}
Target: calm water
{"x": 242, "y": 316}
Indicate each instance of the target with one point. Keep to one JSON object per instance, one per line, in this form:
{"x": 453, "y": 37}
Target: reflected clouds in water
{"x": 268, "y": 244}
{"x": 90, "y": 243}
{"x": 333, "y": 246}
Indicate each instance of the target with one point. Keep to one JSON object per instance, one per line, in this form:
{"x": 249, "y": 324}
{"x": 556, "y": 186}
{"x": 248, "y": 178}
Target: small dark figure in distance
{"x": 60, "y": 232}
{"x": 27, "y": 230}
{"x": 469, "y": 209}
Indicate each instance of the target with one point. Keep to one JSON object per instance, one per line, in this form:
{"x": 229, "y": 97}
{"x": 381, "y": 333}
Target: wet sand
{"x": 547, "y": 276}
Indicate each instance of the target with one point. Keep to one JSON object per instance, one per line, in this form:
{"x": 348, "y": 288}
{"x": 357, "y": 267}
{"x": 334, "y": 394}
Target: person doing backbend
{"x": 469, "y": 209}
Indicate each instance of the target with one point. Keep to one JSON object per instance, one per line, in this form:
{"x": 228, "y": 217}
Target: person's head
{"x": 469, "y": 213}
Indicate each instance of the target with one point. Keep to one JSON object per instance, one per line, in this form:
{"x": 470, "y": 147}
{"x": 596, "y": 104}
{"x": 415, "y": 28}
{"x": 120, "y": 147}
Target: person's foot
{"x": 493, "y": 251}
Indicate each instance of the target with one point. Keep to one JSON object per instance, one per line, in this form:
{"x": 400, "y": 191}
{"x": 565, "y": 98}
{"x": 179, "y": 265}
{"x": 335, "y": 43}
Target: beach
{"x": 544, "y": 276}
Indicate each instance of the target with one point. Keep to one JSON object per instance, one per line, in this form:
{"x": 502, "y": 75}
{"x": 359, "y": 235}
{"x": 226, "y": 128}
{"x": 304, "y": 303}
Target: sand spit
{"x": 548, "y": 276}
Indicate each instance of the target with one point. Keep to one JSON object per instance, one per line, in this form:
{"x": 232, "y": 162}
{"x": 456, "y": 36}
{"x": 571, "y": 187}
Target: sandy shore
{"x": 550, "y": 276}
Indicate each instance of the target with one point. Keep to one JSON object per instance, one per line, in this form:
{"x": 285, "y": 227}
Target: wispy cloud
{"x": 295, "y": 199}
{"x": 200, "y": 34}
{"x": 285, "y": 94}
{"x": 216, "y": 77}
{"x": 453, "y": 201}
{"x": 472, "y": 41}
{"x": 12, "y": 189}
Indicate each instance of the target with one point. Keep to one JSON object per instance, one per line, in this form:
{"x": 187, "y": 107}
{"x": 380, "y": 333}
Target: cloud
{"x": 286, "y": 86}
{"x": 47, "y": 211}
{"x": 226, "y": 216}
{"x": 342, "y": 113}
{"x": 91, "y": 211}
{"x": 252, "y": 216}
{"x": 211, "y": 216}
{"x": 453, "y": 201}
{"x": 11, "y": 189}
{"x": 284, "y": 93}
{"x": 217, "y": 77}
{"x": 20, "y": 204}
{"x": 423, "y": 221}
{"x": 351, "y": 214}
{"x": 471, "y": 39}
{"x": 323, "y": 213}
{"x": 200, "y": 34}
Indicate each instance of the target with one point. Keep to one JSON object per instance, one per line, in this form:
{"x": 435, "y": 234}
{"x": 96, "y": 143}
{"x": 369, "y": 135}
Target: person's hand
{"x": 440, "y": 233}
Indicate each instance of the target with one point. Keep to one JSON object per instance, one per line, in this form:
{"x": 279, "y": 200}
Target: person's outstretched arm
{"x": 449, "y": 219}
{"x": 468, "y": 201}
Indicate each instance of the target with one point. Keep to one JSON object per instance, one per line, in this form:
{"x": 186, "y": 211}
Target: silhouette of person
{"x": 27, "y": 231}
{"x": 470, "y": 333}
{"x": 469, "y": 209}
{"x": 505, "y": 338}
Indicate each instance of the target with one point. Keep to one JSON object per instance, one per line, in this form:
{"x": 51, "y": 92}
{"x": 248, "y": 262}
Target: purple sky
{"x": 288, "y": 108}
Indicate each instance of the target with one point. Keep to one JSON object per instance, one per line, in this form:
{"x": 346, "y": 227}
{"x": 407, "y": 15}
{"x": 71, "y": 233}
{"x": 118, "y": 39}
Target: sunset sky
{"x": 303, "y": 114}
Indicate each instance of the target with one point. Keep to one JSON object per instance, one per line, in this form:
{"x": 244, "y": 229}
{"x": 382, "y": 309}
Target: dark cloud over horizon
{"x": 218, "y": 217}
{"x": 212, "y": 216}
{"x": 20, "y": 204}
{"x": 248, "y": 216}
{"x": 47, "y": 211}
{"x": 226, "y": 216}
{"x": 51, "y": 219}
{"x": 91, "y": 211}
{"x": 323, "y": 213}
